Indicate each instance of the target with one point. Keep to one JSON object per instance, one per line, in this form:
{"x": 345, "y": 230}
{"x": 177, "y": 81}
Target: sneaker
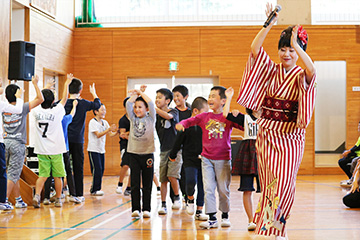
{"x": 20, "y": 204}
{"x": 162, "y": 211}
{"x": 98, "y": 193}
{"x": 66, "y": 191}
{"x": 6, "y": 206}
{"x": 251, "y": 226}
{"x": 62, "y": 196}
{"x": 81, "y": 198}
{"x": 201, "y": 217}
{"x": 74, "y": 199}
{"x": 46, "y": 201}
{"x": 36, "y": 201}
{"x": 190, "y": 208}
{"x": 346, "y": 183}
{"x": 176, "y": 205}
{"x": 135, "y": 214}
{"x": 146, "y": 214}
{"x": 58, "y": 202}
{"x": 209, "y": 224}
{"x": 127, "y": 192}
{"x": 118, "y": 190}
{"x": 52, "y": 195}
{"x": 225, "y": 222}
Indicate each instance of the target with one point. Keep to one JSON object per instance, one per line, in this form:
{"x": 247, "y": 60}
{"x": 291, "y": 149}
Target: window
{"x": 341, "y": 12}
{"x": 133, "y": 13}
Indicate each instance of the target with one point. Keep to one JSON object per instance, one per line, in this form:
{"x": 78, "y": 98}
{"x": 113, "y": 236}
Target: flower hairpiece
{"x": 302, "y": 35}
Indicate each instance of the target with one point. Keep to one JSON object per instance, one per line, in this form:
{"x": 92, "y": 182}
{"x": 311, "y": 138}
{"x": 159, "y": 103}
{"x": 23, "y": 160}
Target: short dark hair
{"x": 125, "y": 100}
{"x": 10, "y": 91}
{"x": 166, "y": 92}
{"x": 198, "y": 103}
{"x": 285, "y": 38}
{"x": 249, "y": 111}
{"x": 48, "y": 98}
{"x": 140, "y": 99}
{"x": 75, "y": 86}
{"x": 101, "y": 104}
{"x": 181, "y": 89}
{"x": 221, "y": 91}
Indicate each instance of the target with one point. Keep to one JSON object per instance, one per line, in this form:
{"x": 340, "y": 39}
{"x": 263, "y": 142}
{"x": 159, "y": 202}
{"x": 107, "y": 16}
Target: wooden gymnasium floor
{"x": 318, "y": 213}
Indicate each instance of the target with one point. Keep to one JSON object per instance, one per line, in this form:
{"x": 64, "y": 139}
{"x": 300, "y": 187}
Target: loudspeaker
{"x": 21, "y": 60}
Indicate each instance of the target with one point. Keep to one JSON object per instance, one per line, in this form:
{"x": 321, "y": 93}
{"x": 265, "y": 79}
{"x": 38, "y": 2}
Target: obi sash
{"x": 279, "y": 110}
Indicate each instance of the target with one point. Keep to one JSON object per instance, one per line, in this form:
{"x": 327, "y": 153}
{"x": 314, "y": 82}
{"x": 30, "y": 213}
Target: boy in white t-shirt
{"x": 49, "y": 141}
{"x": 98, "y": 128}
{"x": 6, "y": 107}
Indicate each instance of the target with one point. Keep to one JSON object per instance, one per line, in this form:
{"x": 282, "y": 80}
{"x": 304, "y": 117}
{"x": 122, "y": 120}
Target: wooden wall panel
{"x": 154, "y": 66}
{"x": 146, "y": 52}
{"x": 156, "y": 43}
{"x": 99, "y": 69}
{"x": 4, "y": 38}
{"x": 223, "y": 66}
{"x": 93, "y": 44}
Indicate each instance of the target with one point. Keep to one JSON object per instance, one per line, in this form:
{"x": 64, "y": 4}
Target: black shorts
{"x": 247, "y": 182}
{"x": 125, "y": 159}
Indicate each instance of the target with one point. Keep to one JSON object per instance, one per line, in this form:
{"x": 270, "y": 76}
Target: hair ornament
{"x": 302, "y": 35}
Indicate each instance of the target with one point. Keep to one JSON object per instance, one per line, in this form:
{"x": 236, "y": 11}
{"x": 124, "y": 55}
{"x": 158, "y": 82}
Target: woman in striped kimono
{"x": 286, "y": 94}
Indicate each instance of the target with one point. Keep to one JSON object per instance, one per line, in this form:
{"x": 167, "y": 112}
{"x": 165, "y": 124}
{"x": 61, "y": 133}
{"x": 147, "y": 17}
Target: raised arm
{"x": 39, "y": 97}
{"x": 309, "y": 64}
{"x": 260, "y": 37}
{"x": 73, "y": 110}
{"x": 93, "y": 91}
{"x": 164, "y": 114}
{"x": 50, "y": 84}
{"x": 66, "y": 89}
{"x": 229, "y": 94}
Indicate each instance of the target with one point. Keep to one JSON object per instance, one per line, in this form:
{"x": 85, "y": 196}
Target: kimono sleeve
{"x": 307, "y": 95}
{"x": 254, "y": 80}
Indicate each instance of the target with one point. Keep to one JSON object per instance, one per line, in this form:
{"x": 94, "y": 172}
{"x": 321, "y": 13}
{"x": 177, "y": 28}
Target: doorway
{"x": 330, "y": 112}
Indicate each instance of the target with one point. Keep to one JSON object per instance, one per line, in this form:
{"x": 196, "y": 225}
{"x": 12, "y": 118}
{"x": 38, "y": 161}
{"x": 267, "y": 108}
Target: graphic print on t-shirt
{"x": 252, "y": 129}
{"x": 215, "y": 128}
{"x": 139, "y": 128}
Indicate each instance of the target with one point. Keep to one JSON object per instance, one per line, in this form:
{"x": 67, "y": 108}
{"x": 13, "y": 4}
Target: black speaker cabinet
{"x": 21, "y": 60}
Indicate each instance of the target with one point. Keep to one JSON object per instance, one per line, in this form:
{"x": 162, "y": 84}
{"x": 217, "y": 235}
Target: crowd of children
{"x": 195, "y": 144}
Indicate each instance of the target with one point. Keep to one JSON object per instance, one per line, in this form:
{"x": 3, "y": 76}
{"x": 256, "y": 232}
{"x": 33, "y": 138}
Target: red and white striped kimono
{"x": 287, "y": 102}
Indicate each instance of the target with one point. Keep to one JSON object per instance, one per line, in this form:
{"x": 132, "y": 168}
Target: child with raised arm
{"x": 245, "y": 163}
{"x": 190, "y": 141}
{"x": 141, "y": 148}
{"x": 49, "y": 142}
{"x": 215, "y": 156}
{"x": 76, "y": 131}
{"x": 9, "y": 108}
{"x": 67, "y": 164}
{"x": 286, "y": 93}
{"x": 166, "y": 119}
{"x": 98, "y": 129}
{"x": 15, "y": 138}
